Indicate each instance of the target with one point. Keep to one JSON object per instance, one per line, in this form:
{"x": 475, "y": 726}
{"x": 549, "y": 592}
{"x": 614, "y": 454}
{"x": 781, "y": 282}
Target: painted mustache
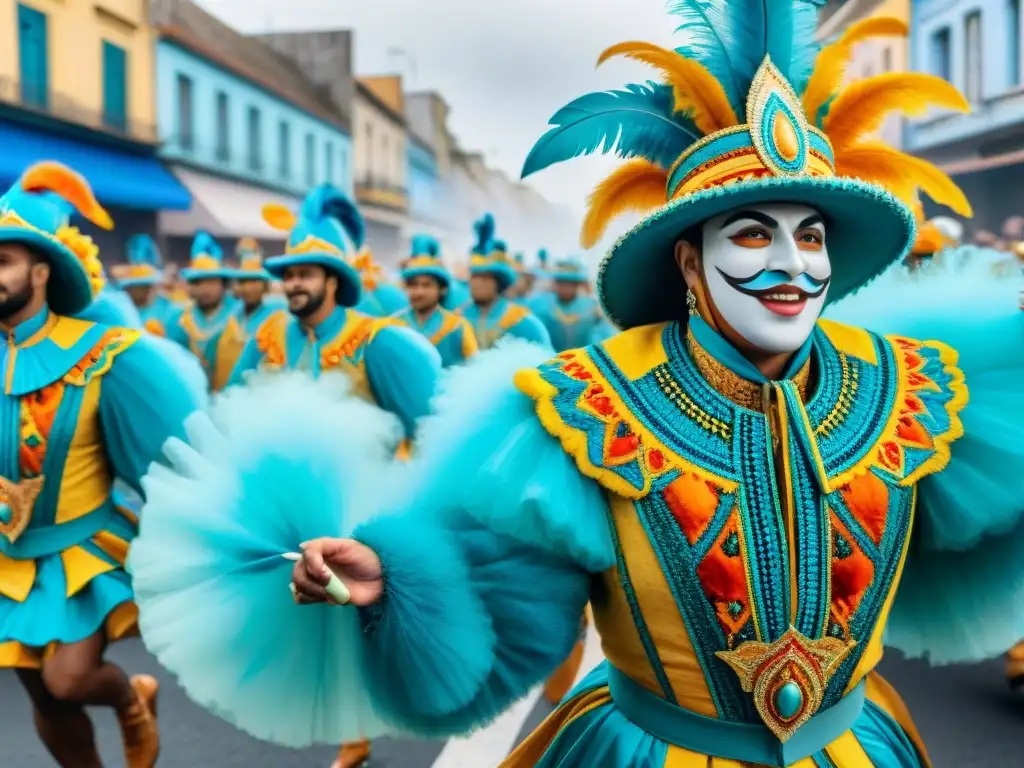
{"x": 764, "y": 281}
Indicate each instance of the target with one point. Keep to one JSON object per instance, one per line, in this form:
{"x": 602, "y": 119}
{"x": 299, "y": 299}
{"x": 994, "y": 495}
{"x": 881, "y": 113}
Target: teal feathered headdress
{"x": 750, "y": 110}
{"x": 484, "y": 229}
{"x": 490, "y": 256}
{"x": 425, "y": 260}
{"x": 425, "y": 245}
{"x": 144, "y": 263}
{"x": 207, "y": 260}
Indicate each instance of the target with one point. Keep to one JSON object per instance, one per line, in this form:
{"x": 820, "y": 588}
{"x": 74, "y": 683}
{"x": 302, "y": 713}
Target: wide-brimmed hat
{"x": 490, "y": 256}
{"x": 207, "y": 260}
{"x": 145, "y": 264}
{"x": 745, "y": 118}
{"x": 425, "y": 259}
{"x": 326, "y": 230}
{"x": 36, "y": 211}
{"x": 568, "y": 270}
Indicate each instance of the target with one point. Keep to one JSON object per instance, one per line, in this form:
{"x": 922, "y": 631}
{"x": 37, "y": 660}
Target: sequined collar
{"x": 739, "y": 390}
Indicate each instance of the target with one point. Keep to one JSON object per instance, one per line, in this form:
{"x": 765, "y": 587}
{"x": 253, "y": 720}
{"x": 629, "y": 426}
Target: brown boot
{"x": 138, "y": 724}
{"x": 353, "y": 754}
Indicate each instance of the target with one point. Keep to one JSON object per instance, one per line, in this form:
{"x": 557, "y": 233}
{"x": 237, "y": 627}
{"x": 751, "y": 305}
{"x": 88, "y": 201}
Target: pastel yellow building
{"x": 89, "y": 62}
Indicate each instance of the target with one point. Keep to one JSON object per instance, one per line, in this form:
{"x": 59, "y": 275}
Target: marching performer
{"x": 570, "y": 315}
{"x": 252, "y": 288}
{"x": 94, "y": 403}
{"x": 142, "y": 279}
{"x": 458, "y": 290}
{"x": 427, "y": 283}
{"x": 491, "y": 275}
{"x": 379, "y": 297}
{"x": 210, "y": 328}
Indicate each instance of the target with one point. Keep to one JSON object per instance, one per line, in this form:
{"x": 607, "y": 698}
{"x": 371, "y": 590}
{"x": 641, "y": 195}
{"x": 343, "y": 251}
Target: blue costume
{"x": 743, "y": 538}
{"x": 385, "y": 364}
{"x": 379, "y": 297}
{"x": 250, "y": 267}
{"x": 450, "y": 333}
{"x": 573, "y": 323}
{"x": 144, "y": 270}
{"x": 217, "y": 338}
{"x": 503, "y": 317}
{"x": 85, "y": 403}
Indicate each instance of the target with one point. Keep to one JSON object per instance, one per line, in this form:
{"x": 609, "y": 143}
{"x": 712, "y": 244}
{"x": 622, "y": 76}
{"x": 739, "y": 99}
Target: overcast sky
{"x": 504, "y": 67}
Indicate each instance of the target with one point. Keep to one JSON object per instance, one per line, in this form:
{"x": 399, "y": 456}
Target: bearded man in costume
{"x": 737, "y": 486}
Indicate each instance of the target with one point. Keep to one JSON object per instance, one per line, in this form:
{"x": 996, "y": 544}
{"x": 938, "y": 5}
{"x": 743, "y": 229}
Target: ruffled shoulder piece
{"x": 890, "y": 403}
{"x": 271, "y": 339}
{"x": 98, "y": 360}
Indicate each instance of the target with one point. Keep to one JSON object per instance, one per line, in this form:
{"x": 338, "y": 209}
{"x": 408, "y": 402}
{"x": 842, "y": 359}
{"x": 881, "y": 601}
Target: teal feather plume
{"x": 542, "y": 257}
{"x": 484, "y": 228}
{"x": 204, "y": 244}
{"x": 143, "y": 250}
{"x": 327, "y": 200}
{"x": 637, "y": 122}
{"x": 425, "y": 245}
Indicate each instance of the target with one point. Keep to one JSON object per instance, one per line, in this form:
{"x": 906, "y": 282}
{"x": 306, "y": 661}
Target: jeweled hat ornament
{"x": 144, "y": 265}
{"x": 327, "y": 229}
{"x": 425, "y": 259}
{"x": 751, "y": 111}
{"x": 36, "y": 211}
{"x": 490, "y": 256}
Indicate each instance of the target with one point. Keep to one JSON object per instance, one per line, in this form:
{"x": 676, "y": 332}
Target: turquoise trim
{"x": 44, "y": 362}
{"x": 190, "y": 275}
{"x": 50, "y": 539}
{"x": 69, "y": 289}
{"x": 775, "y": 106}
{"x": 719, "y": 348}
{"x": 130, "y": 282}
{"x": 742, "y": 742}
{"x": 438, "y": 272}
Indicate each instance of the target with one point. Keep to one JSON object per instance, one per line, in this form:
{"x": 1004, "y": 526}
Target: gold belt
{"x": 16, "y": 503}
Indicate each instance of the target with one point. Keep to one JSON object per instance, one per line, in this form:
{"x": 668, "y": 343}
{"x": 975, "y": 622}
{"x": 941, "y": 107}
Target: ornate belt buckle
{"x": 788, "y": 677}
{"x": 16, "y": 503}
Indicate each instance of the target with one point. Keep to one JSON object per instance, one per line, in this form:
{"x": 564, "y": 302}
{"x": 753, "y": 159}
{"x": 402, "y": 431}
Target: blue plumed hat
{"x": 326, "y": 233}
{"x": 750, "y": 111}
{"x": 145, "y": 263}
{"x": 250, "y": 261}
{"x": 568, "y": 270}
{"x": 425, "y": 259}
{"x": 207, "y": 260}
{"x": 36, "y": 211}
{"x": 490, "y": 256}
{"x": 540, "y": 270}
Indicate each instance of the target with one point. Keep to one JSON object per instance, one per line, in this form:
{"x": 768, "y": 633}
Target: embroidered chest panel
{"x": 761, "y": 523}
{"x": 488, "y": 335}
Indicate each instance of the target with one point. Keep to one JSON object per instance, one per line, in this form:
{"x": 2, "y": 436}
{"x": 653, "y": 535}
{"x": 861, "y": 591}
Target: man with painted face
{"x": 736, "y": 485}
{"x": 209, "y": 328}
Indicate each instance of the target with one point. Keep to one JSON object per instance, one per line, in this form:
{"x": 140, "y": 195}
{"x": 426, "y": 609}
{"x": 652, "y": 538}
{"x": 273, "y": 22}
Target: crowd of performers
{"x": 727, "y": 484}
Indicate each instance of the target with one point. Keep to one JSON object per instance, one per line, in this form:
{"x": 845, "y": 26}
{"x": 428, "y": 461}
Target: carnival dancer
{"x": 520, "y": 290}
{"x": 570, "y": 315}
{"x": 458, "y": 294}
{"x": 252, "y": 288}
{"x": 427, "y": 282}
{"x": 142, "y": 279}
{"x": 380, "y": 298}
{"x": 491, "y": 275}
{"x": 94, "y": 403}
{"x": 210, "y": 328}
{"x": 736, "y": 483}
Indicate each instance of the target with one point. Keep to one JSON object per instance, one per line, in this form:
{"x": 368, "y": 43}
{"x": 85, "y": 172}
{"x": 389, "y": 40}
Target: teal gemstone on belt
{"x": 788, "y": 700}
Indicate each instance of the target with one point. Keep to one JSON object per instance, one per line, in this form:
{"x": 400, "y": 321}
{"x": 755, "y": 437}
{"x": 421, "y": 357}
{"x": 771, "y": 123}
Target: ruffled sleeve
{"x": 403, "y": 369}
{"x": 144, "y": 400}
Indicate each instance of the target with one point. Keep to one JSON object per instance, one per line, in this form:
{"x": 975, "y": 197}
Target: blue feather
{"x": 328, "y": 200}
{"x": 204, "y": 244}
{"x": 484, "y": 228}
{"x": 636, "y": 122}
{"x": 732, "y": 37}
{"x": 143, "y": 250}
{"x": 425, "y": 245}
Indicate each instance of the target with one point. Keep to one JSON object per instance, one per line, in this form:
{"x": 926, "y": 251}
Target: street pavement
{"x": 965, "y": 714}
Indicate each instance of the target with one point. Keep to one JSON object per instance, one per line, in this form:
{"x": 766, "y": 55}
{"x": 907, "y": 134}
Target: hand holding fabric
{"x": 355, "y": 564}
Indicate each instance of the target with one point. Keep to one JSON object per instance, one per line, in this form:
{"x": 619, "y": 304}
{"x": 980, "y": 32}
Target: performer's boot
{"x": 353, "y": 754}
{"x": 1015, "y": 667}
{"x": 138, "y": 724}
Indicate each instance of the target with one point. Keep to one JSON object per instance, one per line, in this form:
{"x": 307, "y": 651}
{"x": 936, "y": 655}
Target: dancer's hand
{"x": 355, "y": 564}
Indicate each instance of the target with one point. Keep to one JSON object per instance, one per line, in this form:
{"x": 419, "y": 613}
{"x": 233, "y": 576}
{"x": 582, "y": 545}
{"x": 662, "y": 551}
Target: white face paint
{"x": 767, "y": 270}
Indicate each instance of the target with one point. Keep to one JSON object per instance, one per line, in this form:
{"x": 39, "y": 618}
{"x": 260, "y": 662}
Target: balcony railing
{"x": 66, "y": 108}
{"x": 373, "y": 191}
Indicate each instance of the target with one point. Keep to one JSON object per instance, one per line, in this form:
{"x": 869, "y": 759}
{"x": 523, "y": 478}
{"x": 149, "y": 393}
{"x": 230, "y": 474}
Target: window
{"x": 310, "y": 160}
{"x": 184, "y": 118}
{"x": 329, "y": 163}
{"x": 35, "y": 87}
{"x": 1013, "y": 44}
{"x": 115, "y": 87}
{"x": 887, "y": 59}
{"x": 255, "y": 140}
{"x": 284, "y": 150}
{"x": 223, "y": 128}
{"x": 940, "y": 64}
{"x": 972, "y": 57}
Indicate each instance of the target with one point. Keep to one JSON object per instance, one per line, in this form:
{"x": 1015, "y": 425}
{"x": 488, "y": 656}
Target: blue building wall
{"x": 216, "y": 92}
{"x": 422, "y": 180}
{"x": 940, "y": 45}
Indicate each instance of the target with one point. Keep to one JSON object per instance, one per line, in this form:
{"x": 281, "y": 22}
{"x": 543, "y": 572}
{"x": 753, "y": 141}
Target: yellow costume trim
{"x": 16, "y": 578}
{"x": 101, "y": 357}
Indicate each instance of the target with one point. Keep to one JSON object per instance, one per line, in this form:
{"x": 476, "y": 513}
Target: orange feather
{"x": 901, "y": 174}
{"x": 54, "y": 177}
{"x": 859, "y": 109}
{"x": 637, "y": 185}
{"x": 279, "y": 217}
{"x": 696, "y": 91}
{"x": 830, "y": 66}
{"x": 929, "y": 239}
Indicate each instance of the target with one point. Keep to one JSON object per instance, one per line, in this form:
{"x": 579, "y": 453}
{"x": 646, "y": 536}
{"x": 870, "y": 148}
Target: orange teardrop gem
{"x": 785, "y": 138}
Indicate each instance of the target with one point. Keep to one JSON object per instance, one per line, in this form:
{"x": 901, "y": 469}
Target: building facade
{"x": 428, "y": 204}
{"x": 241, "y": 126}
{"x": 77, "y": 86}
